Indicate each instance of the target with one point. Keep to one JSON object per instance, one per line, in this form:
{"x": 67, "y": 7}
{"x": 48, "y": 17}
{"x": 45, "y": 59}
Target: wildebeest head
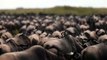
{"x": 102, "y": 39}
{"x": 57, "y": 34}
{"x": 21, "y": 39}
{"x": 72, "y": 31}
{"x": 6, "y": 35}
{"x": 100, "y": 32}
{"x": 34, "y": 39}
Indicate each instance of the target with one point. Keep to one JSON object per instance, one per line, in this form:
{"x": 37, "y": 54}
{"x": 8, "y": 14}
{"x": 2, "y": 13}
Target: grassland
{"x": 58, "y": 10}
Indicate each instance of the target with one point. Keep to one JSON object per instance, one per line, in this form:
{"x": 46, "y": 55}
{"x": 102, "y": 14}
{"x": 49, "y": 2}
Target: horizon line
{"x": 49, "y": 7}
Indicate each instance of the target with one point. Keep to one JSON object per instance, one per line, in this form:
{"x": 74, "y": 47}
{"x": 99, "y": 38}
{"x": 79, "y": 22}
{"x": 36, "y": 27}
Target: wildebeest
{"x": 59, "y": 35}
{"x": 34, "y": 53}
{"x": 96, "y": 52}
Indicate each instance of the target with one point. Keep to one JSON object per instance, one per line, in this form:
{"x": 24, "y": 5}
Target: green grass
{"x": 62, "y": 10}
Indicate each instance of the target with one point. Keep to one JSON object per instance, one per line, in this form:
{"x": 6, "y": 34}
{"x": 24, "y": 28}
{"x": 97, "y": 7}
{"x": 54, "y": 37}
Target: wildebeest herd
{"x": 53, "y": 37}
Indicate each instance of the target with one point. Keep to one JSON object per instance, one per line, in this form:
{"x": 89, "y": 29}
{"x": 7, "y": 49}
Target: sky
{"x": 13, "y": 4}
